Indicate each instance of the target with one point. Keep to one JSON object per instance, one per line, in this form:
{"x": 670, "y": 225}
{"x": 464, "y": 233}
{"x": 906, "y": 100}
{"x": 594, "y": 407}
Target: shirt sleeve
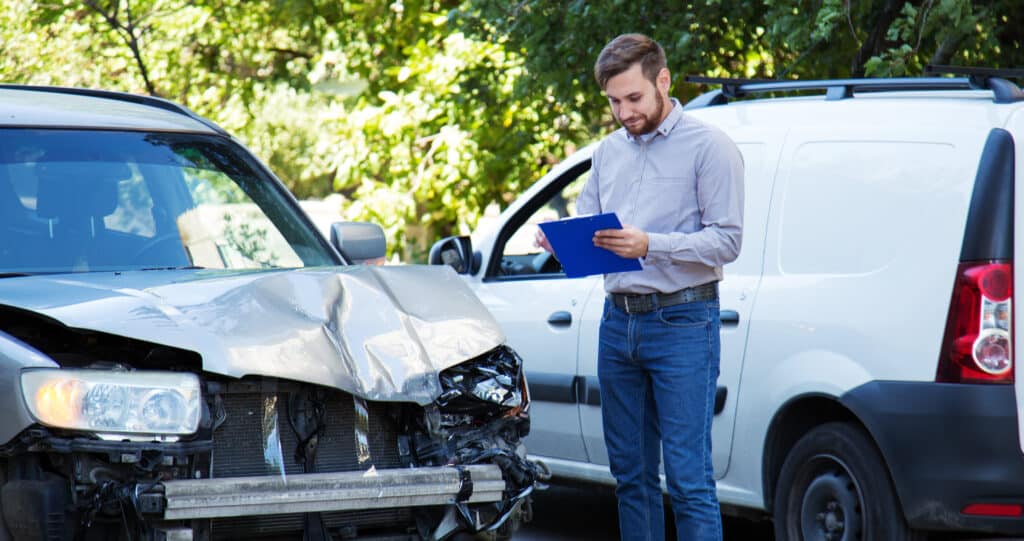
{"x": 720, "y": 200}
{"x": 589, "y": 199}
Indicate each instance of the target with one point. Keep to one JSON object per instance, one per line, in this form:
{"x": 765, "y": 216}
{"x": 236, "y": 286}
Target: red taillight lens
{"x": 977, "y": 346}
{"x": 994, "y": 281}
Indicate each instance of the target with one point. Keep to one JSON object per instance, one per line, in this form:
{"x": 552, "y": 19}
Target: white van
{"x": 867, "y": 386}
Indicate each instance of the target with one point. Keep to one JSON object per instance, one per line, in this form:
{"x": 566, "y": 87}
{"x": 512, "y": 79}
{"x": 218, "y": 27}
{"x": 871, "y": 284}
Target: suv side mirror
{"x": 457, "y": 252}
{"x": 358, "y": 242}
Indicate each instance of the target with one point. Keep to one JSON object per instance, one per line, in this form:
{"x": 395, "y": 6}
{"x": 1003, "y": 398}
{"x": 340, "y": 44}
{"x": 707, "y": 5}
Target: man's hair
{"x": 622, "y": 52}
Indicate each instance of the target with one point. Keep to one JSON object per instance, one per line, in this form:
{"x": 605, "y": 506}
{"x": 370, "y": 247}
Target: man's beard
{"x": 650, "y": 123}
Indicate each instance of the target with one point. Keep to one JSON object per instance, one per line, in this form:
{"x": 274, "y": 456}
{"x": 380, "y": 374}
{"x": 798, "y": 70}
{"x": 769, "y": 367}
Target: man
{"x": 678, "y": 184}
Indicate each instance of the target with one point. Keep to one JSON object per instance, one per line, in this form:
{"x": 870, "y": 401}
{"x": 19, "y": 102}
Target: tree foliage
{"x": 802, "y": 39}
{"x": 423, "y": 112}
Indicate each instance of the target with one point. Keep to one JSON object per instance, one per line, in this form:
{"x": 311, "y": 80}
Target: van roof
{"x": 64, "y": 107}
{"x": 878, "y": 113}
{"x": 999, "y": 89}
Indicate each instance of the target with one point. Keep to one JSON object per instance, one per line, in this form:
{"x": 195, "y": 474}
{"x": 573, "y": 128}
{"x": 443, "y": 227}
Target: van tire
{"x": 834, "y": 486}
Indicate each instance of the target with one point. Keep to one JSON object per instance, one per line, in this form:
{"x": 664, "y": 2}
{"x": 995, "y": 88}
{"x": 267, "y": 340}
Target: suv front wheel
{"x": 834, "y": 487}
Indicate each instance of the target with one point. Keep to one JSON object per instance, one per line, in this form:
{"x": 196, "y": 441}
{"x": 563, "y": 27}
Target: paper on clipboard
{"x": 572, "y": 240}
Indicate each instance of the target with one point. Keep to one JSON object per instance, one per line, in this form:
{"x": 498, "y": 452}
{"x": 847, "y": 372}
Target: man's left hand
{"x": 628, "y": 242}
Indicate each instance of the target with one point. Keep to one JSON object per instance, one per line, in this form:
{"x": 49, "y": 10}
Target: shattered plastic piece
{"x": 492, "y": 378}
{"x": 272, "y": 453}
{"x": 362, "y": 430}
{"x": 494, "y": 390}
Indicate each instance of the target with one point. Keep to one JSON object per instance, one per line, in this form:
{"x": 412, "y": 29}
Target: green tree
{"x": 424, "y": 112}
{"x": 381, "y": 101}
{"x": 804, "y": 39}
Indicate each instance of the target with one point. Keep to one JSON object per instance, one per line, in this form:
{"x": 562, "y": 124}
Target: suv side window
{"x": 519, "y": 256}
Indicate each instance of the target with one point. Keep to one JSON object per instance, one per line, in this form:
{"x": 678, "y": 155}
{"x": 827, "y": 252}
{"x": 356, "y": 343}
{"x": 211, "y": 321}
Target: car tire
{"x": 834, "y": 486}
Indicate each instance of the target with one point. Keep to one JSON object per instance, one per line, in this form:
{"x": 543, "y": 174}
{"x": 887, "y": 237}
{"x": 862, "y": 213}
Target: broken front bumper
{"x": 321, "y": 492}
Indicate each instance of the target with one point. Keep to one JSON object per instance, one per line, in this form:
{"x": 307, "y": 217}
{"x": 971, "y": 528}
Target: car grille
{"x": 239, "y": 452}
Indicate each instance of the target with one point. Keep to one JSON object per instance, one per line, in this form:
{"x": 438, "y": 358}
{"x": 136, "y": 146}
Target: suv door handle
{"x": 729, "y": 318}
{"x": 560, "y": 318}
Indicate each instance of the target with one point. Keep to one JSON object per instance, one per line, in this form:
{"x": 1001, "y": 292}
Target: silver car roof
{"x": 52, "y": 107}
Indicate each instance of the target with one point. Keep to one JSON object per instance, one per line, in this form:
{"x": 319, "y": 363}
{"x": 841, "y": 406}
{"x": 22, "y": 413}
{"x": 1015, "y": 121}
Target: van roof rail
{"x": 1003, "y": 91}
{"x": 141, "y": 99}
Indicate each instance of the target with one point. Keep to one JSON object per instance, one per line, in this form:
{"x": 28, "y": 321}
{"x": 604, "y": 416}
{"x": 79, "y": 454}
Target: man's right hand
{"x": 541, "y": 241}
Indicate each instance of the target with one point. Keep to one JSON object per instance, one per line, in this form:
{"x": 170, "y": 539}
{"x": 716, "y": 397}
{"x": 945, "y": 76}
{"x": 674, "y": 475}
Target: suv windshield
{"x": 79, "y": 201}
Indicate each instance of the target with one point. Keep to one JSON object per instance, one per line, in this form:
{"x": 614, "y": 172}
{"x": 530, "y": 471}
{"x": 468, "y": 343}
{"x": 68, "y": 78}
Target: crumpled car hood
{"x": 382, "y": 333}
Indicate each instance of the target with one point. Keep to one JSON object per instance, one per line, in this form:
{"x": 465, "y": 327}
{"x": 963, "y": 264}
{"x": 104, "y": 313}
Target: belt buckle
{"x": 642, "y": 302}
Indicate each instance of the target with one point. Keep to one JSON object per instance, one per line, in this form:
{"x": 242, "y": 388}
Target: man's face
{"x": 637, "y": 103}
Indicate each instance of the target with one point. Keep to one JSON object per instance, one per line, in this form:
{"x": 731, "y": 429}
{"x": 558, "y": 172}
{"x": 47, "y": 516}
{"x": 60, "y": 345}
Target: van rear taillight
{"x": 977, "y": 346}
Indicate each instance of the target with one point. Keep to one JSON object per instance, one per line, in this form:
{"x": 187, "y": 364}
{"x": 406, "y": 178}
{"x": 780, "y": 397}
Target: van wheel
{"x": 834, "y": 487}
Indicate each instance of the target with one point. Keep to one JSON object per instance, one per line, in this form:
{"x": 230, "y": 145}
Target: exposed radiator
{"x": 239, "y": 451}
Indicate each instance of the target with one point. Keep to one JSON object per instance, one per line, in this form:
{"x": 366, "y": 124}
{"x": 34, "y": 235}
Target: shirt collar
{"x": 673, "y": 118}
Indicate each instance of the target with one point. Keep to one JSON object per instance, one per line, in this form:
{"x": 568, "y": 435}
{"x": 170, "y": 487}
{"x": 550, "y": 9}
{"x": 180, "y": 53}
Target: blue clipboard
{"x": 572, "y": 240}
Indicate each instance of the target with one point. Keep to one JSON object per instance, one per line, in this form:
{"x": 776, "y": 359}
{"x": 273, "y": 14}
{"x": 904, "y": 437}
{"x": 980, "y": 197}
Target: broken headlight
{"x": 109, "y": 401}
{"x": 491, "y": 384}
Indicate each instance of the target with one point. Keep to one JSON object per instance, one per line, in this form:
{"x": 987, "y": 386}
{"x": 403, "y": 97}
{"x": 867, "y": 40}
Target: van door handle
{"x": 730, "y": 318}
{"x": 560, "y": 318}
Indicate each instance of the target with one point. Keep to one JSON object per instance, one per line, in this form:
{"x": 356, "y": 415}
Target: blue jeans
{"x": 658, "y": 372}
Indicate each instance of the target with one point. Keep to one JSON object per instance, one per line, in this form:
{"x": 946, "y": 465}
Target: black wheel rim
{"x": 832, "y": 503}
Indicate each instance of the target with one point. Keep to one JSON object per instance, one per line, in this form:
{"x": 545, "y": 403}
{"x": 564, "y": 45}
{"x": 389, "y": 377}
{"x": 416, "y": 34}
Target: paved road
{"x": 588, "y": 513}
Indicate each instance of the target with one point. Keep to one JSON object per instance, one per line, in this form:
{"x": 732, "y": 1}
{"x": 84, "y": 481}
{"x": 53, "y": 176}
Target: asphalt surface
{"x": 587, "y": 512}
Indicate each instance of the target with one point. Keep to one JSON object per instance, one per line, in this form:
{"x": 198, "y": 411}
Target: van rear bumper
{"x": 947, "y": 446}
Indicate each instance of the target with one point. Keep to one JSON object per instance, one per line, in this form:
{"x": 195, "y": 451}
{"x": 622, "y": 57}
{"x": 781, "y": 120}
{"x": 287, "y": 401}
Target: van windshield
{"x": 80, "y": 200}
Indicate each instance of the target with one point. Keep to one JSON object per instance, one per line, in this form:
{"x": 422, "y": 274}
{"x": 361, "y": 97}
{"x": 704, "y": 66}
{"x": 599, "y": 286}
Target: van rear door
{"x": 1015, "y": 126}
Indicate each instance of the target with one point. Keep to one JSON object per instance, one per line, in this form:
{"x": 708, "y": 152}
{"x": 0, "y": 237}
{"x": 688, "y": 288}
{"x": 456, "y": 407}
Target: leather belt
{"x": 634, "y": 303}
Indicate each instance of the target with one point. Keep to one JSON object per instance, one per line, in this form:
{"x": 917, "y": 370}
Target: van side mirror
{"x": 456, "y": 252}
{"x": 359, "y": 242}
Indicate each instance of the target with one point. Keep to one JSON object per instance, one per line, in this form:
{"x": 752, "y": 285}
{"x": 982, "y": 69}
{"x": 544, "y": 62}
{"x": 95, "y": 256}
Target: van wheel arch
{"x": 834, "y": 484}
{"x": 795, "y": 419}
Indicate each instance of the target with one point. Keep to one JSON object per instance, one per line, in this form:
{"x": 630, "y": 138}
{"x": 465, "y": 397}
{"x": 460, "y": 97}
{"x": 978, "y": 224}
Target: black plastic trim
{"x": 547, "y": 387}
{"x": 588, "y": 389}
{"x": 946, "y": 445}
{"x": 721, "y": 393}
{"x": 729, "y": 318}
{"x": 989, "y": 231}
{"x": 41, "y": 440}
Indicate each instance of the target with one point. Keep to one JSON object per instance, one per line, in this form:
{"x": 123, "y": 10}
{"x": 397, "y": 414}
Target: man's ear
{"x": 664, "y": 80}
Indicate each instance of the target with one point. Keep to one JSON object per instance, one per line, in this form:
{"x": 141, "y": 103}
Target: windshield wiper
{"x": 188, "y": 267}
{"x": 14, "y": 274}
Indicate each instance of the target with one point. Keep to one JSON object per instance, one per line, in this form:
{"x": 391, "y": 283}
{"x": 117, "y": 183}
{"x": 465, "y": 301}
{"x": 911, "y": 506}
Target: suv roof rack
{"x": 1003, "y": 91}
{"x": 140, "y": 99}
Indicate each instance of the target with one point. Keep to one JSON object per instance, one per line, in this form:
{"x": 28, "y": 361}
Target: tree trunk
{"x": 876, "y": 37}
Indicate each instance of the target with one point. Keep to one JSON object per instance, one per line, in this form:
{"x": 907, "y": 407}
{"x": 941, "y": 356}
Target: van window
{"x": 842, "y": 198}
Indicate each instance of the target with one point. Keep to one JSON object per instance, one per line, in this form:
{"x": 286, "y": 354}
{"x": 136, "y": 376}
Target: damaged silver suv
{"x": 183, "y": 356}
